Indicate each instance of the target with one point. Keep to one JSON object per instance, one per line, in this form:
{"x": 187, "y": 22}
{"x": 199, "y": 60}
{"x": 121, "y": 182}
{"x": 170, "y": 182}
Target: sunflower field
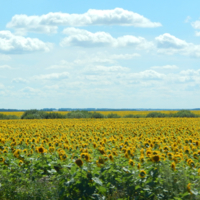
{"x": 124, "y": 158}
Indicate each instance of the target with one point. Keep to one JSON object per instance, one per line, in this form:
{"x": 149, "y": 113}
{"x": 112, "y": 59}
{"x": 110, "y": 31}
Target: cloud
{"x": 19, "y": 80}
{"x": 48, "y": 23}
{"x": 94, "y": 59}
{"x": 12, "y": 44}
{"x": 99, "y": 69}
{"x": 147, "y": 75}
{"x": 84, "y": 38}
{"x": 124, "y": 56}
{"x": 188, "y": 18}
{"x": 170, "y": 44}
{"x": 197, "y": 33}
{"x": 31, "y": 91}
{"x": 52, "y": 76}
{"x": 196, "y": 24}
{"x": 5, "y": 67}
{"x": 165, "y": 67}
{"x": 166, "y": 41}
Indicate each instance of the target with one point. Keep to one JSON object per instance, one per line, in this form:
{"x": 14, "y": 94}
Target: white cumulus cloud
{"x": 52, "y": 76}
{"x": 196, "y": 24}
{"x": 48, "y": 23}
{"x": 165, "y": 67}
{"x": 84, "y": 38}
{"x": 13, "y": 44}
{"x": 170, "y": 44}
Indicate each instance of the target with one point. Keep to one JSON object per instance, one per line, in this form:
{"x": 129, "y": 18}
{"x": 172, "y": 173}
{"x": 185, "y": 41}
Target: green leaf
{"x": 85, "y": 168}
{"x": 68, "y": 183}
{"x": 126, "y": 170}
{"x": 137, "y": 187}
{"x": 52, "y": 171}
{"x": 185, "y": 194}
{"x": 195, "y": 192}
{"x": 97, "y": 180}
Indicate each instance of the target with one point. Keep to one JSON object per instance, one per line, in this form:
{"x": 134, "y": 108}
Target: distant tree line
{"x": 39, "y": 114}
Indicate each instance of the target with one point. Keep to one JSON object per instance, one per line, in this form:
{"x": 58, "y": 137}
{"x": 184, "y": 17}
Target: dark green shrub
{"x": 133, "y": 116}
{"x": 156, "y": 115}
{"x": 113, "y": 115}
{"x": 37, "y": 114}
{"x": 78, "y": 114}
{"x": 2, "y": 116}
{"x": 97, "y": 115}
{"x": 184, "y": 113}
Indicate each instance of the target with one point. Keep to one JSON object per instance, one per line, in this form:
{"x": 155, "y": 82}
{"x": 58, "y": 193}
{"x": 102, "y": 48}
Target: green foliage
{"x": 97, "y": 115}
{"x": 113, "y": 115}
{"x": 184, "y": 113}
{"x": 133, "y": 116}
{"x": 2, "y": 116}
{"x": 37, "y": 114}
{"x": 156, "y": 114}
{"x": 84, "y": 114}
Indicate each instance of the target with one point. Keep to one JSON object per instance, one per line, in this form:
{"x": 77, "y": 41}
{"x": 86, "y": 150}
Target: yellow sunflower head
{"x": 142, "y": 174}
{"x": 131, "y": 162}
{"x": 173, "y": 166}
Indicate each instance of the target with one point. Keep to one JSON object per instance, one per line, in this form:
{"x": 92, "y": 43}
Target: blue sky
{"x": 100, "y": 54}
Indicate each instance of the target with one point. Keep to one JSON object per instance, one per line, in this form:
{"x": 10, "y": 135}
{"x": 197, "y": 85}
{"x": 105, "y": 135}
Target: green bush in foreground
{"x": 111, "y": 181}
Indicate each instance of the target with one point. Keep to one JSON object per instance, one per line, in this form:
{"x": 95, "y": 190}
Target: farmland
{"x": 100, "y": 158}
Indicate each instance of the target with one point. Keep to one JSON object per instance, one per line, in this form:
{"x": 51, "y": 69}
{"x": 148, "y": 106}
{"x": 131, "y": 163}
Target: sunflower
{"x": 2, "y": 159}
{"x": 82, "y": 155}
{"x": 170, "y": 156}
{"x": 87, "y": 157}
{"x": 40, "y": 149}
{"x": 63, "y": 157}
{"x": 139, "y": 165}
{"x": 199, "y": 171}
{"x": 110, "y": 156}
{"x": 16, "y": 153}
{"x": 142, "y": 174}
{"x": 20, "y": 163}
{"x": 195, "y": 155}
{"x": 177, "y": 158}
{"x": 102, "y": 151}
{"x": 189, "y": 188}
{"x": 148, "y": 153}
{"x": 142, "y": 158}
{"x": 79, "y": 162}
{"x": 146, "y": 144}
{"x": 186, "y": 149}
{"x": 101, "y": 161}
{"x": 155, "y": 158}
{"x": 126, "y": 155}
{"x": 51, "y": 149}
{"x": 131, "y": 162}
{"x": 173, "y": 166}
{"x": 166, "y": 149}
{"x": 5, "y": 151}
{"x": 25, "y": 151}
{"x": 191, "y": 163}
